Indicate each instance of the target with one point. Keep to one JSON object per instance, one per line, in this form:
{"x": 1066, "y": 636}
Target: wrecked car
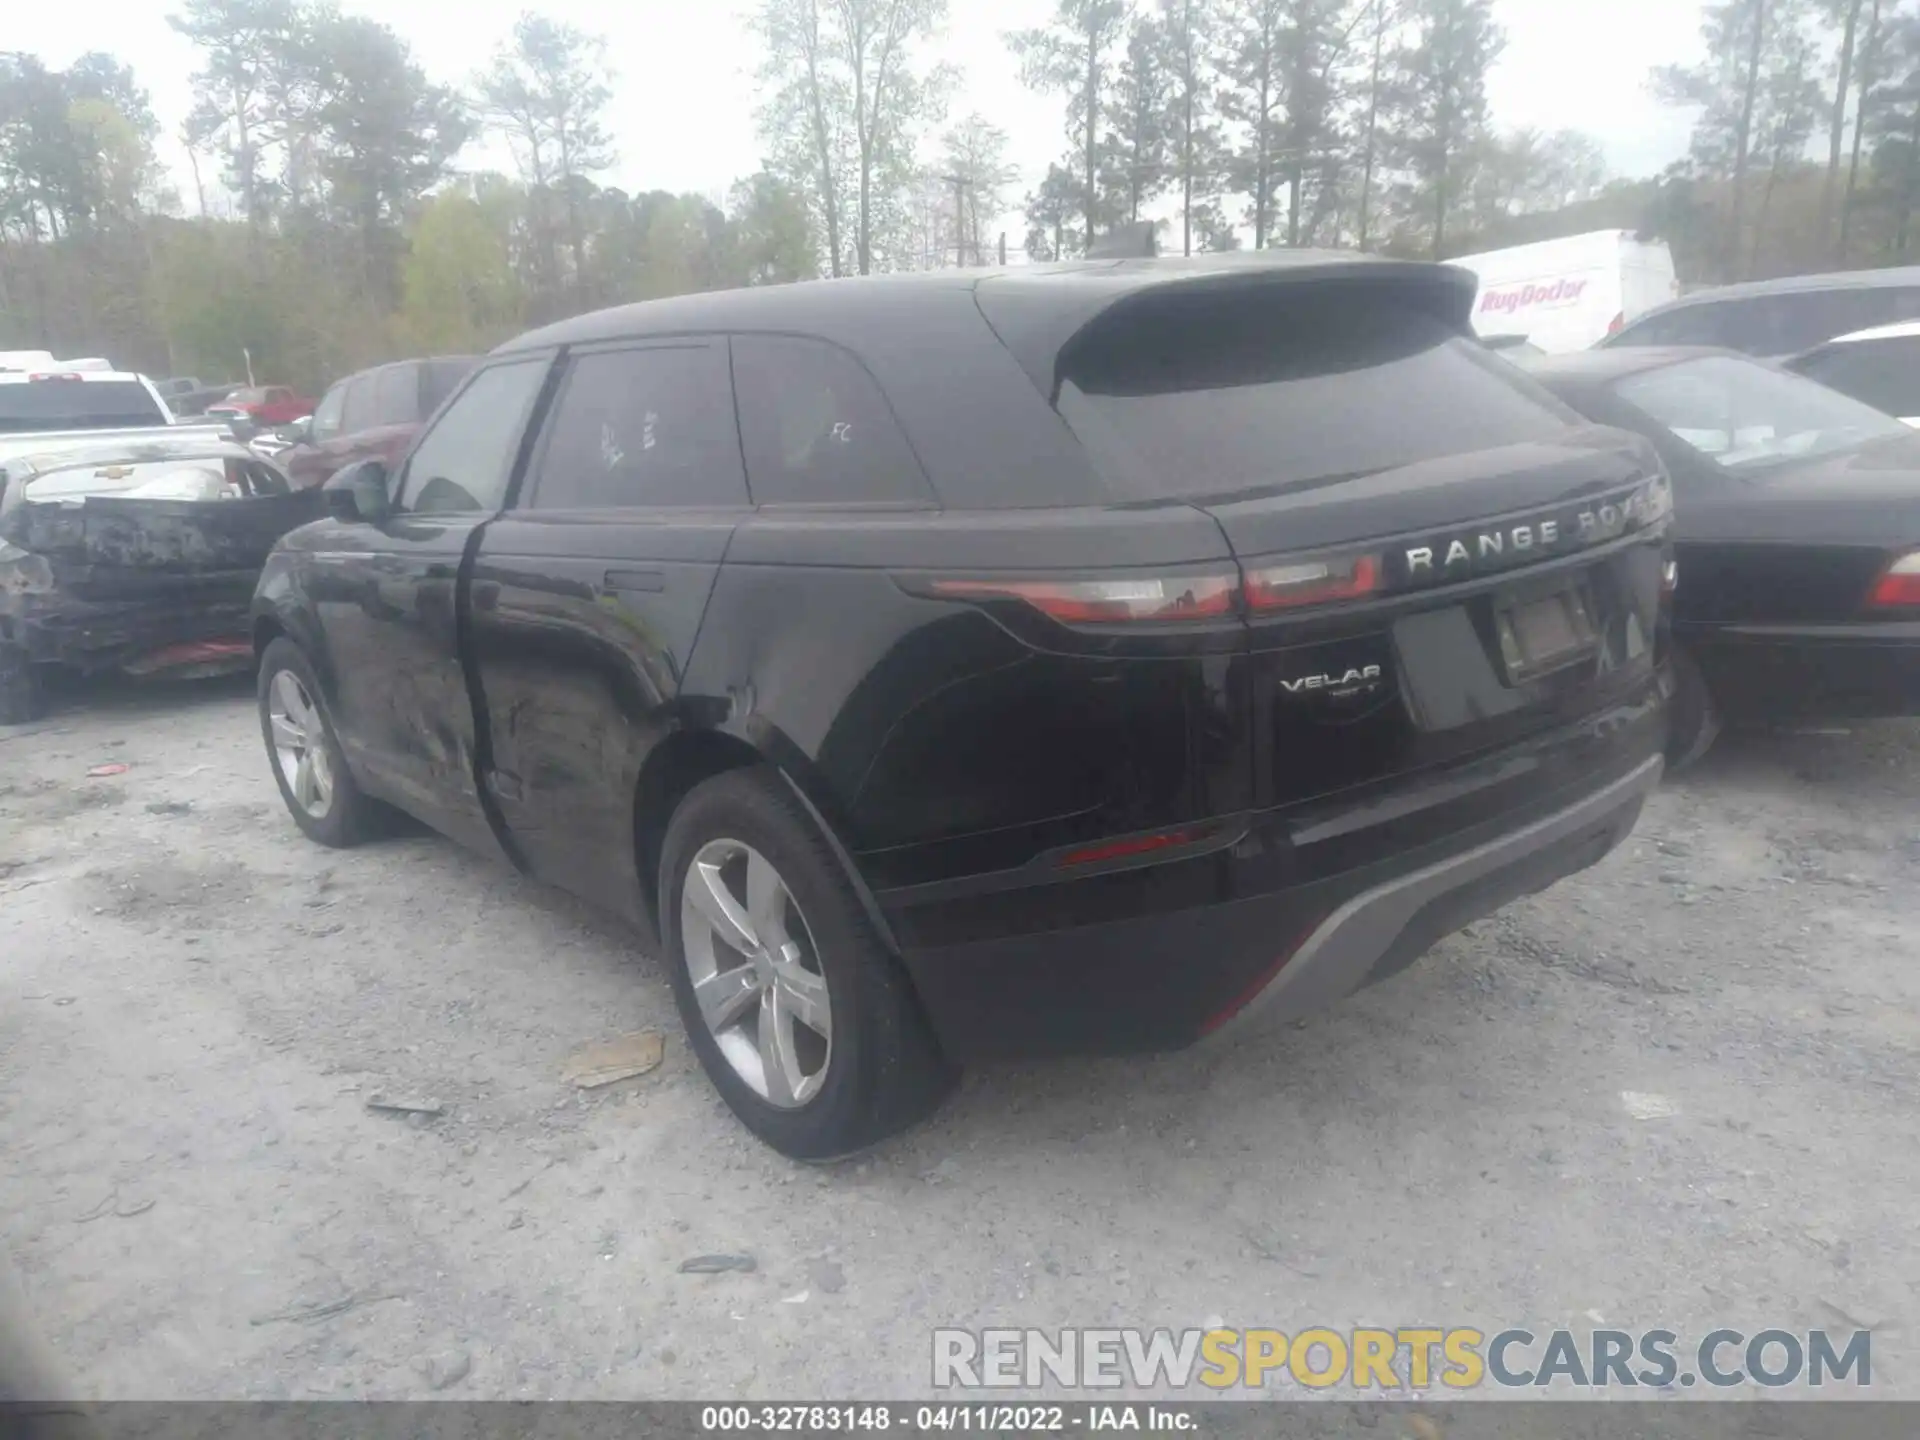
{"x": 134, "y": 558}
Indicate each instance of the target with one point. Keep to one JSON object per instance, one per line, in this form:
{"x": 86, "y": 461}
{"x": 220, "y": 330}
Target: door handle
{"x": 650, "y": 580}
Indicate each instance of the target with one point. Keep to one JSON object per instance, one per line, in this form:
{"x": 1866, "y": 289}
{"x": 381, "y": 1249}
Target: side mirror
{"x": 299, "y": 432}
{"x": 359, "y": 492}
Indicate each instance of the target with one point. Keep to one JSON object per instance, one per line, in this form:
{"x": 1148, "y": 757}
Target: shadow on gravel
{"x": 70, "y": 695}
{"x": 1877, "y": 755}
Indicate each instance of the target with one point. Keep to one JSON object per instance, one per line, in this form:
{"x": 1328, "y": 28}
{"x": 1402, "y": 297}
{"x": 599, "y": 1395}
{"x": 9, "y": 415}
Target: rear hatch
{"x": 1437, "y": 558}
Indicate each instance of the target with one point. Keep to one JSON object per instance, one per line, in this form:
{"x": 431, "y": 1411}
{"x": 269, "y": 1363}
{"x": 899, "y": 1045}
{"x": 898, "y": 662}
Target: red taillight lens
{"x": 1101, "y": 602}
{"x": 32, "y": 378}
{"x": 1900, "y": 584}
{"x": 1124, "y": 849}
{"x": 1312, "y": 582}
{"x": 1617, "y": 324}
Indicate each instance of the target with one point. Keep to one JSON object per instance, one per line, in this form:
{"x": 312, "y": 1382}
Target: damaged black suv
{"x": 1046, "y": 660}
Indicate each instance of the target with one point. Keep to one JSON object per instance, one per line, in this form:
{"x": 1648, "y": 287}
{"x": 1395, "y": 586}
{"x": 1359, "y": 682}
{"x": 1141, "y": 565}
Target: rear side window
{"x": 326, "y": 415}
{"x": 76, "y": 405}
{"x": 1778, "y": 324}
{"x": 438, "y": 380}
{"x": 648, "y": 426}
{"x": 396, "y": 395}
{"x": 357, "y": 415}
{"x": 1227, "y": 395}
{"x": 817, "y": 430}
{"x": 464, "y": 462}
{"x": 1883, "y": 373}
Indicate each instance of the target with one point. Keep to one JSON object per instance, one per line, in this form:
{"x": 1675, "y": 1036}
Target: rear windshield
{"x": 76, "y": 405}
{"x": 1747, "y": 417}
{"x": 1216, "y": 396}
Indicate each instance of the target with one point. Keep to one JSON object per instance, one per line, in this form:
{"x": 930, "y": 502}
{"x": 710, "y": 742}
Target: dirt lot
{"x": 1677, "y": 1091}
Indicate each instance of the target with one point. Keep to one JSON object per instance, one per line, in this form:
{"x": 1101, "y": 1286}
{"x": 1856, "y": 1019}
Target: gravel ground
{"x": 1677, "y": 1090}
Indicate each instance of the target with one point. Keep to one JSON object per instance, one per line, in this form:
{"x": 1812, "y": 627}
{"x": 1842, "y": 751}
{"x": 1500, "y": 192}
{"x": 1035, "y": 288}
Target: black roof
{"x": 961, "y": 352}
{"x": 856, "y": 308}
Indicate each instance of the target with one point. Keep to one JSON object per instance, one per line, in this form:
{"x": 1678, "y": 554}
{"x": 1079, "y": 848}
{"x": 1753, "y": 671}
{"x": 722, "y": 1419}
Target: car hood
{"x": 1865, "y": 496}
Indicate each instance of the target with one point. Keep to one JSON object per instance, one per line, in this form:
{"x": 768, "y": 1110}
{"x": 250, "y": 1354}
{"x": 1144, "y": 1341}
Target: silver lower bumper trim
{"x": 1343, "y": 949}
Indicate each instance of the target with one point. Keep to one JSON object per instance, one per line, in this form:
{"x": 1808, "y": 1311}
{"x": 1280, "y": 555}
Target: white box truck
{"x": 1562, "y": 295}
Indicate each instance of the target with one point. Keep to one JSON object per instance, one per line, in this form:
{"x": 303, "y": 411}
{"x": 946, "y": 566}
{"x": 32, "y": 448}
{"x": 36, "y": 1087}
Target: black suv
{"x": 1053, "y": 659}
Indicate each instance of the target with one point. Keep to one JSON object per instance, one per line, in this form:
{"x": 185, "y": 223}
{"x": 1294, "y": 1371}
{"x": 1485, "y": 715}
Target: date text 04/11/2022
{"x": 978, "y": 1418}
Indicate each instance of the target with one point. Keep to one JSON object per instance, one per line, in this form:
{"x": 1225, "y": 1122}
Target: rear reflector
{"x": 1121, "y": 849}
{"x": 1100, "y": 602}
{"x": 1312, "y": 582}
{"x": 1900, "y": 585}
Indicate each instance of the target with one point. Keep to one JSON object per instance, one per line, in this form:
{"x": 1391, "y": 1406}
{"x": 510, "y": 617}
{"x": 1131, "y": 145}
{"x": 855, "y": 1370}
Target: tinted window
{"x": 642, "y": 427}
{"x": 1745, "y": 416}
{"x": 438, "y": 380}
{"x": 396, "y": 395}
{"x": 326, "y": 415}
{"x": 358, "y": 412}
{"x": 466, "y": 459}
{"x": 1776, "y": 324}
{"x": 1883, "y": 373}
{"x": 77, "y": 404}
{"x": 816, "y": 428}
{"x": 1220, "y": 395}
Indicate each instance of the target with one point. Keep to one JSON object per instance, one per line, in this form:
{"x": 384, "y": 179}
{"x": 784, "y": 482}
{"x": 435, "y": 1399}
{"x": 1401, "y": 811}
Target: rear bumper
{"x": 1784, "y": 672}
{"x": 1299, "y": 911}
{"x": 164, "y": 630}
{"x": 1385, "y": 928}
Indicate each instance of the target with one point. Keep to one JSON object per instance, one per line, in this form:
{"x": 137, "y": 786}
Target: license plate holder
{"x": 1541, "y": 633}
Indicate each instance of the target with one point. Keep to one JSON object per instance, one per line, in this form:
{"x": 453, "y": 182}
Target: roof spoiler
{"x": 1139, "y": 241}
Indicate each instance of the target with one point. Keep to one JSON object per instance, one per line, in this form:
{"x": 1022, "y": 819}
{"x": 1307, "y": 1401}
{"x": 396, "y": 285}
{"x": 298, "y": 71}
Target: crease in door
{"x": 477, "y": 697}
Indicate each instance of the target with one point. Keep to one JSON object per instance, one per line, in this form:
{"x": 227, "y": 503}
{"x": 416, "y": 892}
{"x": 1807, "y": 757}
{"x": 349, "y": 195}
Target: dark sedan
{"x": 989, "y": 663}
{"x": 1797, "y": 534}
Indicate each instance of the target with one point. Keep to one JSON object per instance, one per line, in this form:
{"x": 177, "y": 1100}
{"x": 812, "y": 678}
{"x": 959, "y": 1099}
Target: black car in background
{"x": 1797, "y": 534}
{"x": 1776, "y": 318}
{"x": 1059, "y": 659}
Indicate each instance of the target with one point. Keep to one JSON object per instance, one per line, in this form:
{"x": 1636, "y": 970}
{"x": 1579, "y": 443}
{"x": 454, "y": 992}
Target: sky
{"x": 684, "y": 92}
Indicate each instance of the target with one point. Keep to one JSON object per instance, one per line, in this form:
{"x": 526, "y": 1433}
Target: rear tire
{"x": 22, "y": 699}
{"x": 878, "y": 1069}
{"x": 305, "y": 755}
{"x": 1693, "y": 720}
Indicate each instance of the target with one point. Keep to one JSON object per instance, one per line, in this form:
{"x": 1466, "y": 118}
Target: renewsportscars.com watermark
{"x": 1409, "y": 1358}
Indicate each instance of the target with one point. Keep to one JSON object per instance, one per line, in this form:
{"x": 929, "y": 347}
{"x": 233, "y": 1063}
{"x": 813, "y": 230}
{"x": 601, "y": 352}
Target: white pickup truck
{"x": 46, "y": 411}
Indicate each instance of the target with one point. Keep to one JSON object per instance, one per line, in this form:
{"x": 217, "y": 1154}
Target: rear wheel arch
{"x": 689, "y": 757}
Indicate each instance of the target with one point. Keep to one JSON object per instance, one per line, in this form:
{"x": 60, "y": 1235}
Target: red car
{"x": 265, "y": 405}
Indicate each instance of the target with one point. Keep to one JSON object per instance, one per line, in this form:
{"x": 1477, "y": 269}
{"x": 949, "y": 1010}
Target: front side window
{"x": 817, "y": 430}
{"x": 641, "y": 427}
{"x": 1746, "y": 417}
{"x": 1222, "y": 396}
{"x": 465, "y": 461}
{"x": 1882, "y": 373}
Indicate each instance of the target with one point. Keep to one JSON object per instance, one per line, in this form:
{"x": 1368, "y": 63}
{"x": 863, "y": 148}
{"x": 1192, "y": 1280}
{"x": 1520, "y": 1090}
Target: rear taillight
{"x": 1899, "y": 584}
{"x": 1312, "y": 582}
{"x": 1617, "y": 324}
{"x": 32, "y": 378}
{"x": 1164, "y": 599}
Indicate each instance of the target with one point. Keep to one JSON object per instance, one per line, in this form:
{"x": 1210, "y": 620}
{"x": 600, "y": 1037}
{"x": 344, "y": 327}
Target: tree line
{"x": 326, "y": 222}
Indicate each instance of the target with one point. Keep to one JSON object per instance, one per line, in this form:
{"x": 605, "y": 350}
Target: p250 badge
{"x": 1359, "y": 680}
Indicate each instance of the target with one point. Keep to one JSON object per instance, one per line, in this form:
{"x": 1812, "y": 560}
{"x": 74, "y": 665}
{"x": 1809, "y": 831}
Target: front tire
{"x": 801, "y": 1017}
{"x": 1693, "y": 721}
{"x": 304, "y": 752}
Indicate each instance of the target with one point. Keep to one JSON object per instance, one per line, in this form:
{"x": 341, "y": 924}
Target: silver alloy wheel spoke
{"x": 771, "y": 1017}
{"x": 299, "y": 746}
{"x": 720, "y": 910}
{"x": 724, "y": 994}
{"x": 778, "y": 1062}
{"x": 803, "y": 994}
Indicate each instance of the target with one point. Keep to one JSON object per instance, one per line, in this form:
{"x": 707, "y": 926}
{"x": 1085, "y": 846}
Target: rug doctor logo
{"x": 1526, "y": 297}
